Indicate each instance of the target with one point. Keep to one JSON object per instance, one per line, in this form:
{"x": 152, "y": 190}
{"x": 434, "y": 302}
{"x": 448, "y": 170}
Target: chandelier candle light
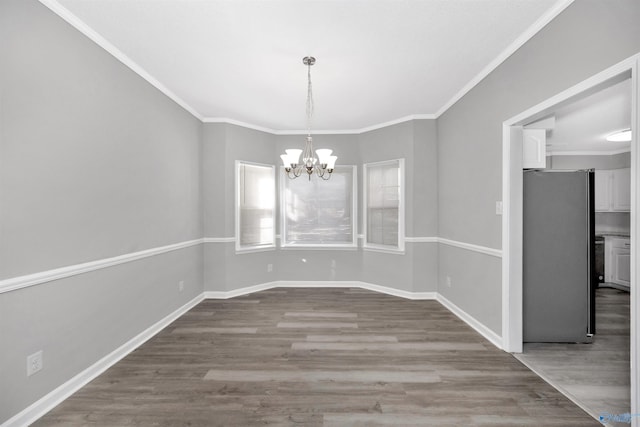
{"x": 323, "y": 164}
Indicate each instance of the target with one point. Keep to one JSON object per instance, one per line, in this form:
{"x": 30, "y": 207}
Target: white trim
{"x": 382, "y": 249}
{"x": 635, "y": 240}
{"x": 55, "y": 397}
{"x": 398, "y": 121}
{"x": 487, "y": 333}
{"x": 219, "y": 240}
{"x": 319, "y": 131}
{"x": 253, "y": 248}
{"x": 494, "y": 338}
{"x": 421, "y": 239}
{"x": 321, "y": 284}
{"x": 401, "y": 206}
{"x": 471, "y": 247}
{"x": 240, "y": 291}
{"x": 20, "y": 282}
{"x": 510, "y": 50}
{"x": 81, "y": 26}
{"x": 589, "y": 153}
{"x": 256, "y": 250}
{"x": 89, "y": 32}
{"x": 318, "y": 247}
{"x": 238, "y": 123}
{"x": 512, "y": 214}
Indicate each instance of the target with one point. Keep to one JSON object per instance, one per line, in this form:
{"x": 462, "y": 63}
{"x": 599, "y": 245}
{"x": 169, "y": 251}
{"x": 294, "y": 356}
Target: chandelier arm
{"x": 296, "y": 172}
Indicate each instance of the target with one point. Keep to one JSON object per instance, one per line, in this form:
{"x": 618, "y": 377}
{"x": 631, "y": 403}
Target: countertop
{"x": 613, "y": 233}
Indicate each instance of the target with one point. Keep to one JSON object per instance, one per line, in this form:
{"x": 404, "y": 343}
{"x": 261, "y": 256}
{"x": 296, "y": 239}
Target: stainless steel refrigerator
{"x": 558, "y": 256}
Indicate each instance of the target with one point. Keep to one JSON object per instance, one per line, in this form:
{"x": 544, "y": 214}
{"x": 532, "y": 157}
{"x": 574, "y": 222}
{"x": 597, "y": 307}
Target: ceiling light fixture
{"x": 621, "y": 136}
{"x": 322, "y": 165}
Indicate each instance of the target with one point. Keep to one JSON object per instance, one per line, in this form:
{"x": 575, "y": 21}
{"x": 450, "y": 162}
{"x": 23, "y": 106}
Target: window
{"x": 384, "y": 205}
{"x": 255, "y": 206}
{"x": 317, "y": 212}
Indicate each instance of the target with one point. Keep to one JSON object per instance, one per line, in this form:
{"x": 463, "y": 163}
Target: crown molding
{"x": 234, "y": 122}
{"x": 510, "y": 50}
{"x": 79, "y": 25}
{"x": 398, "y": 121}
{"x": 319, "y": 131}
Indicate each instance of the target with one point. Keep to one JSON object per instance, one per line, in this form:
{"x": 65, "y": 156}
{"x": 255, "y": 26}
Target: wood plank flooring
{"x": 318, "y": 357}
{"x": 595, "y": 375}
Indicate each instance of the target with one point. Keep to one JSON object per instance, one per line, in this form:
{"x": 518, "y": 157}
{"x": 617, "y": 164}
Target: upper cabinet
{"x": 613, "y": 190}
{"x": 621, "y": 197}
{"x": 534, "y": 149}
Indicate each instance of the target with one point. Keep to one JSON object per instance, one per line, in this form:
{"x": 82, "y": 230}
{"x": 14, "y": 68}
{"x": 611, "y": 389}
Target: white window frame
{"x": 253, "y": 248}
{"x": 320, "y": 246}
{"x": 399, "y": 249}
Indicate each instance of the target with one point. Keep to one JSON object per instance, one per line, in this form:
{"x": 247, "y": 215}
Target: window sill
{"x": 253, "y": 250}
{"x": 320, "y": 247}
{"x": 384, "y": 250}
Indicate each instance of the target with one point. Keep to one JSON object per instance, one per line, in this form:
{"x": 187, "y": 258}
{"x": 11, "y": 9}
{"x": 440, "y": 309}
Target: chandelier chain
{"x": 309, "y": 99}
{"x": 321, "y": 165}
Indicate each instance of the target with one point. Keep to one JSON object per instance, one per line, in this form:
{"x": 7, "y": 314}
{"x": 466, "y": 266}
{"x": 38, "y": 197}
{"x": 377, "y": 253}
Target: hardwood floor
{"x": 318, "y": 357}
{"x": 595, "y": 375}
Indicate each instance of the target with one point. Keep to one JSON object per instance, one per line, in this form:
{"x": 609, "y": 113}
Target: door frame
{"x": 512, "y": 210}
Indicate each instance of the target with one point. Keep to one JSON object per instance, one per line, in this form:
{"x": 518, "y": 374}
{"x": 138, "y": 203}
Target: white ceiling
{"x": 378, "y": 61}
{"x": 583, "y": 126}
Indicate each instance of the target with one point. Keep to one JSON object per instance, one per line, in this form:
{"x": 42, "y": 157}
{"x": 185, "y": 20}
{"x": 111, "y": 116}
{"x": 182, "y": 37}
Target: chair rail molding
{"x": 25, "y": 281}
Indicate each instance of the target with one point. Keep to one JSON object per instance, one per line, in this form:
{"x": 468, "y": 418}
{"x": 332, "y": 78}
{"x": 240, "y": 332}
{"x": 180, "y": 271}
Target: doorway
{"x": 512, "y": 325}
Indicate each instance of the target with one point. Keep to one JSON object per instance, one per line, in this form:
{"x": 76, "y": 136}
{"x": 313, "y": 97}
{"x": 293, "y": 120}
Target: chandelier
{"x": 323, "y": 164}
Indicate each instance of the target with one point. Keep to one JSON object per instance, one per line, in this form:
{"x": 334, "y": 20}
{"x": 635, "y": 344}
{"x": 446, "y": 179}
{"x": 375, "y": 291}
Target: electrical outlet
{"x": 499, "y": 208}
{"x": 181, "y": 285}
{"x": 269, "y": 268}
{"x": 34, "y": 363}
{"x": 448, "y": 281}
{"x": 333, "y": 263}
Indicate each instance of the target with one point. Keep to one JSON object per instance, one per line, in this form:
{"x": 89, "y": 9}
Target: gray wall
{"x": 614, "y": 161}
{"x": 416, "y": 142}
{"x": 567, "y": 51}
{"x": 94, "y": 163}
{"x": 416, "y": 270}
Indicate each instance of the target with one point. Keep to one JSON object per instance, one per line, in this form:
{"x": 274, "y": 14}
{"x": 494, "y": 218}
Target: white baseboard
{"x": 320, "y": 284}
{"x": 52, "y": 399}
{"x": 494, "y": 338}
{"x": 239, "y": 292}
{"x": 55, "y": 397}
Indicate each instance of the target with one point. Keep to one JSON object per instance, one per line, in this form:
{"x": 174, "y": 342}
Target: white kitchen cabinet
{"x": 602, "y": 190}
{"x": 613, "y": 190}
{"x": 621, "y": 190}
{"x": 617, "y": 260}
{"x": 534, "y": 149}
